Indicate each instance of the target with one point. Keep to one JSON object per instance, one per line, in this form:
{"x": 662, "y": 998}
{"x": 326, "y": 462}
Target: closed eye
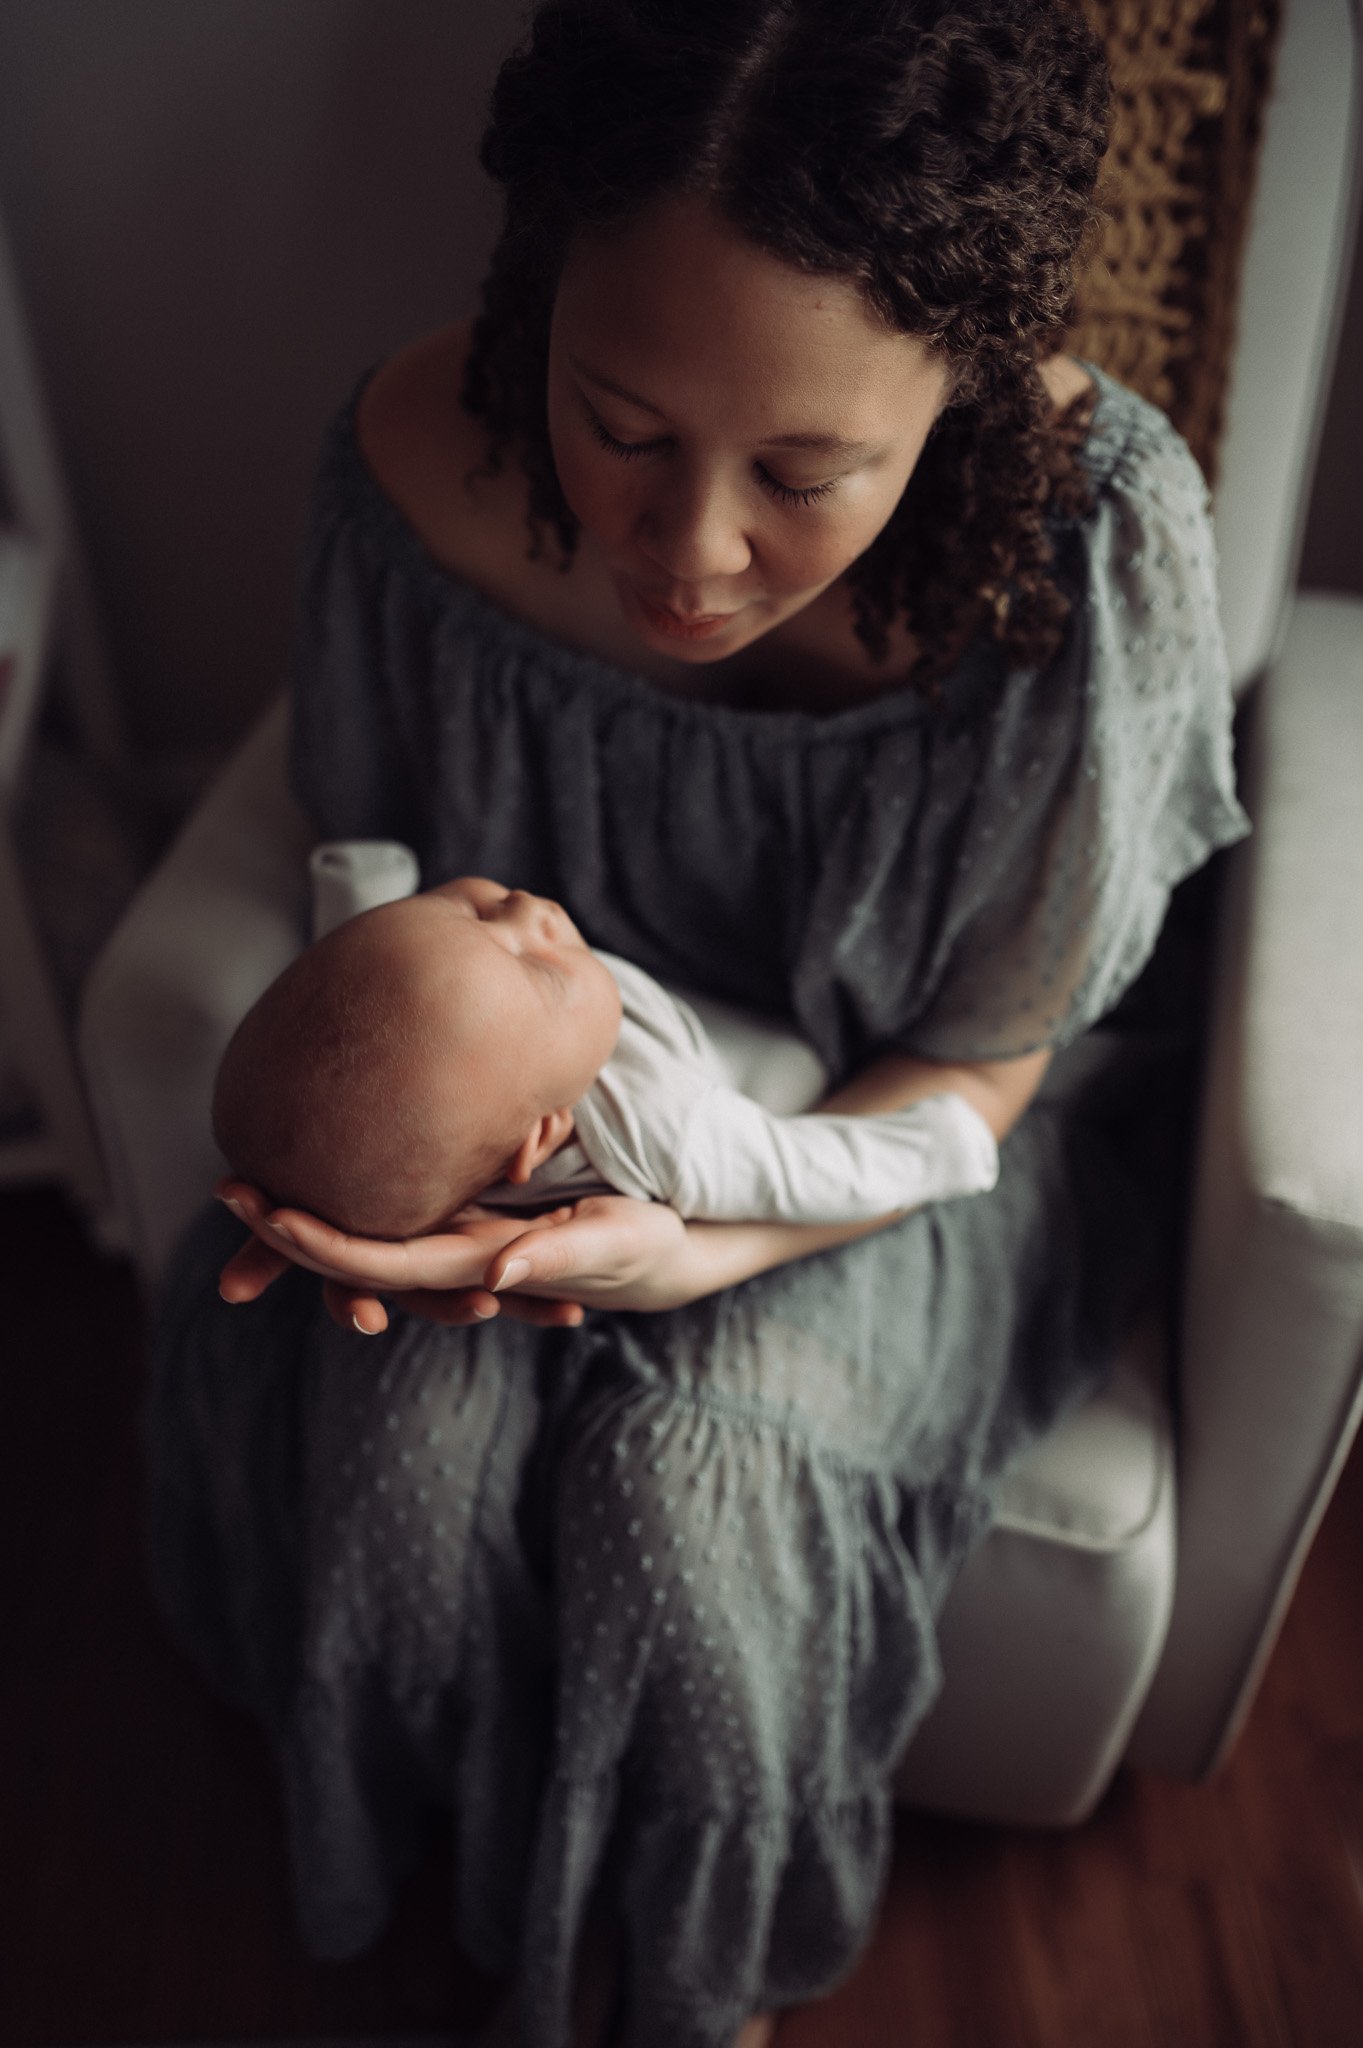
{"x": 785, "y": 494}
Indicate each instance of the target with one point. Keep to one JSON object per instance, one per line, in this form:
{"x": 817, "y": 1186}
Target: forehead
{"x": 682, "y": 309}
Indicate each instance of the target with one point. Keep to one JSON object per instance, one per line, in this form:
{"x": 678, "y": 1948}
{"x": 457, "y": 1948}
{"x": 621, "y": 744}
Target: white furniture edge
{"x": 219, "y": 917}
{"x": 1274, "y": 1283}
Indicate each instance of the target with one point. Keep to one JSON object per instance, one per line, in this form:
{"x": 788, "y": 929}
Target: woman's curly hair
{"x": 942, "y": 154}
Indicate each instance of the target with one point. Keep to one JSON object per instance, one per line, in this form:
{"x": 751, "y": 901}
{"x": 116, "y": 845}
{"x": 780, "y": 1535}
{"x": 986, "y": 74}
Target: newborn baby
{"x": 467, "y": 1043}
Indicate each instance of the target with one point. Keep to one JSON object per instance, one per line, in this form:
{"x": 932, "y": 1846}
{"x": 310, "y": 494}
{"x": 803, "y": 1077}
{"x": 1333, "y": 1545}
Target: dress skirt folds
{"x": 648, "y": 1607}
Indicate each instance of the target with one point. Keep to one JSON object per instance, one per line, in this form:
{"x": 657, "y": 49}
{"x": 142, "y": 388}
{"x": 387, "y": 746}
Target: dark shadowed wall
{"x": 222, "y": 212}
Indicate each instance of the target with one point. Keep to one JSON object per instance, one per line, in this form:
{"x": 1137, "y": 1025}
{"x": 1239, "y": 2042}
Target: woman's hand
{"x": 605, "y": 1251}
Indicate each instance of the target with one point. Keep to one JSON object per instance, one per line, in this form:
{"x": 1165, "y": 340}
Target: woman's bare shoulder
{"x": 1065, "y": 379}
{"x": 425, "y": 451}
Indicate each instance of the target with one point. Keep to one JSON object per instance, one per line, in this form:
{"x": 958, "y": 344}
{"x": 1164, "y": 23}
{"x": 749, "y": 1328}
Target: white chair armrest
{"x": 223, "y": 913}
{"x": 1272, "y": 1339}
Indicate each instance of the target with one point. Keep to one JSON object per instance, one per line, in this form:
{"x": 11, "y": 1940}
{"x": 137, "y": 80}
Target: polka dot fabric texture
{"x": 649, "y": 1606}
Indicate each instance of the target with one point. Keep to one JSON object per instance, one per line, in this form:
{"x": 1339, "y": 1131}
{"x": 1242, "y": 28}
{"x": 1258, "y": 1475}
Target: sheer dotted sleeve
{"x": 1102, "y": 785}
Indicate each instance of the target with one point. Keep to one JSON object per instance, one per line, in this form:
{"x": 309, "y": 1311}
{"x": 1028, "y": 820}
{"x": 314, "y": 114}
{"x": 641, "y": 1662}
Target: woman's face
{"x": 730, "y": 433}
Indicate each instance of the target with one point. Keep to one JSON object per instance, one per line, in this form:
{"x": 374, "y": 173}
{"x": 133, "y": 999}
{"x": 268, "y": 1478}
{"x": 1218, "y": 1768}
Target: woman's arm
{"x": 999, "y": 1089}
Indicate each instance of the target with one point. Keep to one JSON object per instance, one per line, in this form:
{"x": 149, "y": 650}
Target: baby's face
{"x": 528, "y": 927}
{"x": 528, "y": 949}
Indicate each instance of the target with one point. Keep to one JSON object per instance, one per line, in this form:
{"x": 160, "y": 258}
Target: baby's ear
{"x": 523, "y": 1160}
{"x": 544, "y": 1137}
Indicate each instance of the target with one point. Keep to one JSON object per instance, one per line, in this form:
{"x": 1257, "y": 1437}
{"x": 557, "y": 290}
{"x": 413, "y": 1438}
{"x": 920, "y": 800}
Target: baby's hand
{"x": 441, "y": 1275}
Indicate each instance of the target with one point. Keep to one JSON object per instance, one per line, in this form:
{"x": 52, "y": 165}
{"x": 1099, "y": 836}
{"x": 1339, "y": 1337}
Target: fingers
{"x": 349, "y": 1295}
{"x": 536, "y": 1256}
{"x": 354, "y": 1311}
{"x": 247, "y": 1204}
{"x": 366, "y": 1315}
{"x": 549, "y": 1315}
{"x": 447, "y": 1259}
{"x": 250, "y": 1271}
{"x": 454, "y": 1307}
{"x": 443, "y": 1259}
{"x": 252, "y": 1208}
{"x": 541, "y": 1258}
{"x": 455, "y": 1310}
{"x": 374, "y": 1262}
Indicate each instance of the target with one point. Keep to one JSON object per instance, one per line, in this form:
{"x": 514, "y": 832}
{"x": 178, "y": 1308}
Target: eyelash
{"x": 785, "y": 494}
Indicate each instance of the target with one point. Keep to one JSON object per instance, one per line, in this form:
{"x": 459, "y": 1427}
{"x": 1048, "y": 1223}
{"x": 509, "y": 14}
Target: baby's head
{"x": 414, "y": 1055}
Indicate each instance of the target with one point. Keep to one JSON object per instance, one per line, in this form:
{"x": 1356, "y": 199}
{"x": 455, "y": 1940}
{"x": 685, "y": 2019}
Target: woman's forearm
{"x": 999, "y": 1089}
{"x": 719, "y": 1255}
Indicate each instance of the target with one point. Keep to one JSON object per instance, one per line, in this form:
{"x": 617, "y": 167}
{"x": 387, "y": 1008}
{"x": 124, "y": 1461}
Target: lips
{"x": 681, "y": 626}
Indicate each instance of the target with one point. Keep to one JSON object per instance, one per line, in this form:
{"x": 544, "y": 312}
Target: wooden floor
{"x": 144, "y": 1889}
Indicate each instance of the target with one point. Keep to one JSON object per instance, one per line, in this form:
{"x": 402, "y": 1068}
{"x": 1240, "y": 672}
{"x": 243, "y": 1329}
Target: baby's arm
{"x": 660, "y": 1128}
{"x": 739, "y": 1162}
{"x": 726, "y": 1116}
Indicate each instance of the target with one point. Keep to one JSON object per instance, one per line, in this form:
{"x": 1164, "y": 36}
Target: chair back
{"x": 1303, "y": 230}
{"x": 1235, "y": 180}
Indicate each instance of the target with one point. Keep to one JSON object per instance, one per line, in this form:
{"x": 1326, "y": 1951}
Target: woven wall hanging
{"x": 1157, "y": 306}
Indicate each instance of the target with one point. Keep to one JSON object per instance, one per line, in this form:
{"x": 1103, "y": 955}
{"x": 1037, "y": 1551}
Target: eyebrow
{"x": 817, "y": 444}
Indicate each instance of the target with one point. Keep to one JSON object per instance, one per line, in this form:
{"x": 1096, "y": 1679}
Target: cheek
{"x": 603, "y": 495}
{"x": 809, "y": 547}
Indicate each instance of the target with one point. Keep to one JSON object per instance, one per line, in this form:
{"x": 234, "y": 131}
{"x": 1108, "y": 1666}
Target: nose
{"x": 695, "y": 533}
{"x": 540, "y": 913}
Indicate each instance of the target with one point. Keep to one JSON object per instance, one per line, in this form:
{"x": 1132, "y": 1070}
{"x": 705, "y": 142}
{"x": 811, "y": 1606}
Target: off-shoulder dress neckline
{"x": 378, "y": 515}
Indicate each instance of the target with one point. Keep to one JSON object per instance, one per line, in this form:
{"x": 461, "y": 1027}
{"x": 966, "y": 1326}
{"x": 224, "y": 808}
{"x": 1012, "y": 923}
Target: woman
{"x": 754, "y": 577}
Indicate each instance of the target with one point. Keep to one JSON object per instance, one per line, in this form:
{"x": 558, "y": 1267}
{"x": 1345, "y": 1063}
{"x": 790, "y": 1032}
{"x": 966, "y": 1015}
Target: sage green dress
{"x": 650, "y": 1605}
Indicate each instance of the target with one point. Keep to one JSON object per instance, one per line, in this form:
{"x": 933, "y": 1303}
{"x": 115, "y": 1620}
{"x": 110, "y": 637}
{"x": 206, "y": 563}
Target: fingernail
{"x": 517, "y": 1270}
{"x": 485, "y": 1315}
{"x": 358, "y": 1325}
{"x": 234, "y": 1206}
{"x": 280, "y": 1231}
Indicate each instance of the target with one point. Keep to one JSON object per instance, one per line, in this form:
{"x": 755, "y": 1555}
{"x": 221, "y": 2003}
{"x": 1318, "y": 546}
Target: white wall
{"x": 223, "y": 211}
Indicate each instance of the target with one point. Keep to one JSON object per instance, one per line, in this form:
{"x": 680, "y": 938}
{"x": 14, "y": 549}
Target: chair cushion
{"x": 1051, "y": 1633}
{"x": 1096, "y": 1478}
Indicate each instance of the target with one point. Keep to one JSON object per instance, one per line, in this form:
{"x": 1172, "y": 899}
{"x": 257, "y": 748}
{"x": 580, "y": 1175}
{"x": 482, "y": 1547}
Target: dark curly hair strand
{"x": 942, "y": 154}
